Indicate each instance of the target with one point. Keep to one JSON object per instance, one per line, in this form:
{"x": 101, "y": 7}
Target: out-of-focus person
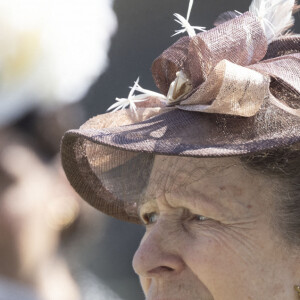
{"x": 29, "y": 231}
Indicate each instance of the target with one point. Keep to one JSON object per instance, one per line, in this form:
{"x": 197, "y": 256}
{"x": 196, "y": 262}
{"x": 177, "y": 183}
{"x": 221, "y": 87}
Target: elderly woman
{"x": 211, "y": 166}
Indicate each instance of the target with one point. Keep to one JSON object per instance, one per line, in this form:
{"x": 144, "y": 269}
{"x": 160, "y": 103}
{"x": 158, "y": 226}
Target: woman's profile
{"x": 211, "y": 164}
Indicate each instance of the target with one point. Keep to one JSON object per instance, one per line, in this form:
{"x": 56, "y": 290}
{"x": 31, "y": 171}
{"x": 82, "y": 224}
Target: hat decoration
{"x": 231, "y": 69}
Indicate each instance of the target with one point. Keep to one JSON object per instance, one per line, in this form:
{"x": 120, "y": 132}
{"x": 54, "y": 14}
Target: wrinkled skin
{"x": 210, "y": 234}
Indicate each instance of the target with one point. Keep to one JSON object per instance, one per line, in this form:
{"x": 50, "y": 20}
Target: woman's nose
{"x": 157, "y": 255}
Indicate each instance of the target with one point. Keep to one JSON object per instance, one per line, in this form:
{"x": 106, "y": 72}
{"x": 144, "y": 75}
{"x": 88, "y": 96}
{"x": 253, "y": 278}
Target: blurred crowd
{"x": 51, "y": 52}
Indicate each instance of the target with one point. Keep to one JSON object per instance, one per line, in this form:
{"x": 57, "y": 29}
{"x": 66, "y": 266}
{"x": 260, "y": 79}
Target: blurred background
{"x": 62, "y": 62}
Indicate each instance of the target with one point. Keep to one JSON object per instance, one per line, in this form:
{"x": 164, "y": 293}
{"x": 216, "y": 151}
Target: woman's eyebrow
{"x": 194, "y": 202}
{"x": 202, "y": 202}
{"x": 146, "y": 204}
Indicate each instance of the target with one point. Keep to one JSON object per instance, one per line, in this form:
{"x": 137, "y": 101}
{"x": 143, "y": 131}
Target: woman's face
{"x": 209, "y": 234}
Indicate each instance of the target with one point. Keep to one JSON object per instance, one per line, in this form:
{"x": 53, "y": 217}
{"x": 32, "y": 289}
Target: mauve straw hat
{"x": 229, "y": 91}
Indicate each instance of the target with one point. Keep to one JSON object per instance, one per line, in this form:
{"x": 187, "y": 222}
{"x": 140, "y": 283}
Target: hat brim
{"x": 108, "y": 166}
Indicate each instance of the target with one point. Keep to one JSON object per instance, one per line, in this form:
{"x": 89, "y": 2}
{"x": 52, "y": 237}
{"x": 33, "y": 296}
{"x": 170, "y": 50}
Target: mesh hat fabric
{"x": 109, "y": 159}
{"x": 109, "y": 167}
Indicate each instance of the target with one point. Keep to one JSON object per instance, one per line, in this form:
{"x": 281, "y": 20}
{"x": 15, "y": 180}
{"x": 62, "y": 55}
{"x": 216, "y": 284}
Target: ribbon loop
{"x": 229, "y": 89}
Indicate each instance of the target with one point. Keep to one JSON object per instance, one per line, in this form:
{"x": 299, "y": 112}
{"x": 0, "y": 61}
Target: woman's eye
{"x": 150, "y": 218}
{"x": 199, "y": 218}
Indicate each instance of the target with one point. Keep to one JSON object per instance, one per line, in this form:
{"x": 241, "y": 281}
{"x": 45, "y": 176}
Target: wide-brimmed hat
{"x": 230, "y": 91}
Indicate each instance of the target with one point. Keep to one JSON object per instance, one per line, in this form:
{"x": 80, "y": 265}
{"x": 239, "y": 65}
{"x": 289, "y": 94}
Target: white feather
{"x": 276, "y": 16}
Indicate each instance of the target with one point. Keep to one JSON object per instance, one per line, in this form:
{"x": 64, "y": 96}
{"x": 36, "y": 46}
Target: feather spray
{"x": 276, "y": 16}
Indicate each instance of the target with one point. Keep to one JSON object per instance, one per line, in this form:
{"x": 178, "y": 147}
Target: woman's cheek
{"x": 217, "y": 252}
{"x": 202, "y": 247}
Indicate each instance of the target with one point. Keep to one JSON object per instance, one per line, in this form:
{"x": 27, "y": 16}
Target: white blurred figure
{"x": 51, "y": 51}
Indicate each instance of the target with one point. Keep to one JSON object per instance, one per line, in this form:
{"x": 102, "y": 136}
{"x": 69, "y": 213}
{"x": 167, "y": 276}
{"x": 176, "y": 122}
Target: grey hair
{"x": 283, "y": 165}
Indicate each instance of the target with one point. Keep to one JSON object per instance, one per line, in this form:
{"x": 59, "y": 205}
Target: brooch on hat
{"x": 210, "y": 73}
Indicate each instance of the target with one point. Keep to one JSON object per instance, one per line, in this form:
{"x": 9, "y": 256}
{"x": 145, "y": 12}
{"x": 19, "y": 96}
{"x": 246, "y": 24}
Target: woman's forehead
{"x": 169, "y": 173}
{"x": 213, "y": 183}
